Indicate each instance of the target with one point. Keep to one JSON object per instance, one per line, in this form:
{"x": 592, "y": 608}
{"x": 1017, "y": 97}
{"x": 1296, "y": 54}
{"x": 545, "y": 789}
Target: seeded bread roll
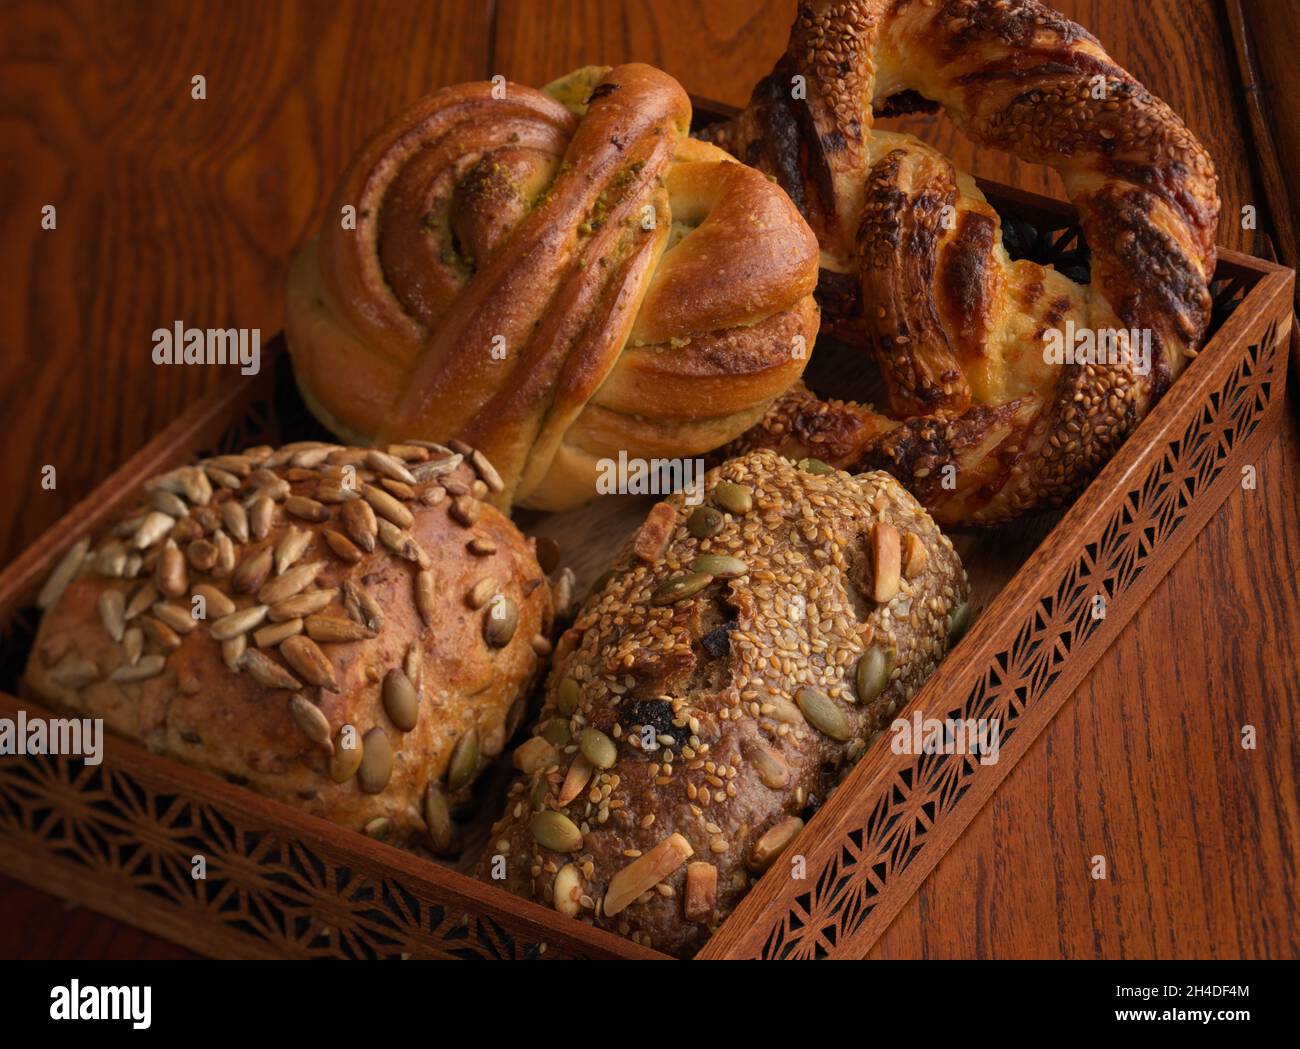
{"x": 737, "y": 660}
{"x": 368, "y": 623}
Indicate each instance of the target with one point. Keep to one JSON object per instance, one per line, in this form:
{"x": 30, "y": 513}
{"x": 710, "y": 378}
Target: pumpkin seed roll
{"x": 301, "y": 620}
{"x": 733, "y": 664}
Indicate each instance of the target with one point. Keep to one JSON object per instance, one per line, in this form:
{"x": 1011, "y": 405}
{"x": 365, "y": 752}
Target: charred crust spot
{"x": 603, "y": 90}
{"x": 1017, "y": 25}
{"x": 636, "y": 714}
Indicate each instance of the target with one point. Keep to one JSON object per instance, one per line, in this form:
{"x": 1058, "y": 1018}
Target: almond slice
{"x": 701, "y": 891}
{"x": 914, "y": 555}
{"x": 652, "y": 540}
{"x": 645, "y": 872}
{"x": 886, "y": 557}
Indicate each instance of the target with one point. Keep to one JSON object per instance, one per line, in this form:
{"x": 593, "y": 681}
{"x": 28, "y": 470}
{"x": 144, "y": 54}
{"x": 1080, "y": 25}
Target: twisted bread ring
{"x": 553, "y": 281}
{"x": 957, "y": 328}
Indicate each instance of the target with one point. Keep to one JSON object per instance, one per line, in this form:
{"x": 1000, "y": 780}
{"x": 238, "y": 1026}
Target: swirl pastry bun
{"x": 366, "y": 624}
{"x": 553, "y": 276}
{"x": 739, "y": 657}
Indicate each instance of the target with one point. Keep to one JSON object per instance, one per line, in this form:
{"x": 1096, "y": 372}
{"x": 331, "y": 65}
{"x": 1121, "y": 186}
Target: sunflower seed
{"x": 734, "y": 498}
{"x": 464, "y": 510}
{"x": 266, "y": 671}
{"x": 576, "y": 780}
{"x": 207, "y": 518}
{"x": 313, "y": 722}
{"x": 487, "y": 471}
{"x": 388, "y": 466}
{"x": 403, "y": 544}
{"x": 133, "y": 644}
{"x": 225, "y": 555}
{"x": 74, "y": 671}
{"x": 301, "y": 605}
{"x": 111, "y": 559}
{"x": 346, "y": 759}
{"x": 291, "y": 582}
{"x": 773, "y": 843}
{"x": 378, "y": 828}
{"x": 215, "y": 603}
{"x": 239, "y": 465}
{"x": 562, "y": 593}
{"x": 425, "y": 472}
{"x": 387, "y": 507}
{"x": 310, "y": 458}
{"x": 260, "y": 515}
{"x": 772, "y": 768}
{"x": 333, "y": 492}
{"x": 555, "y": 831}
{"x": 201, "y": 554}
{"x": 533, "y": 755}
{"x": 362, "y": 607}
{"x": 186, "y": 529}
{"x": 307, "y": 509}
{"x": 886, "y": 562}
{"x": 273, "y": 633}
{"x": 196, "y": 486}
{"x": 376, "y": 767}
{"x": 873, "y": 671}
{"x": 272, "y": 487}
{"x": 359, "y": 522}
{"x": 464, "y": 761}
{"x": 179, "y": 619}
{"x": 160, "y": 633}
{"x": 236, "y": 623}
{"x": 168, "y": 503}
{"x": 335, "y": 629}
{"x": 432, "y": 496}
{"x": 222, "y": 477}
{"x": 342, "y": 546}
{"x": 171, "y": 577}
{"x": 680, "y": 587}
{"x": 155, "y": 525}
{"x": 235, "y": 518}
{"x": 304, "y": 656}
{"x": 481, "y": 593}
{"x": 437, "y": 818}
{"x": 401, "y": 702}
{"x": 823, "y": 713}
{"x": 132, "y": 569}
{"x": 424, "y": 597}
{"x": 62, "y": 575}
{"x": 252, "y": 572}
{"x": 128, "y": 526}
{"x": 144, "y": 595}
{"x": 112, "y": 613}
{"x": 645, "y": 872}
{"x": 567, "y": 890}
{"x": 500, "y": 622}
{"x": 597, "y": 748}
{"x": 481, "y": 546}
{"x": 149, "y": 666}
{"x": 232, "y": 652}
{"x": 720, "y": 566}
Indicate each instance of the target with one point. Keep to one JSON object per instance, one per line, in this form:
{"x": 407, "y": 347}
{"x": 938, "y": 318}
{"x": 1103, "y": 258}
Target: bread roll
{"x": 338, "y": 661}
{"x": 739, "y": 658}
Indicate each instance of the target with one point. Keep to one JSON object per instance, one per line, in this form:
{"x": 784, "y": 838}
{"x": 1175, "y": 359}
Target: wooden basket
{"x": 120, "y": 837}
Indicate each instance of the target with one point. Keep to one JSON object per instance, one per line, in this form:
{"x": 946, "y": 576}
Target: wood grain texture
{"x": 170, "y": 208}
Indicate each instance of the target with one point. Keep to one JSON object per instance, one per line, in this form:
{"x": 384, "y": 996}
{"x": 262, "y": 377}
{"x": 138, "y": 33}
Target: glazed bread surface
{"x": 553, "y": 276}
{"x": 738, "y": 658}
{"x": 369, "y": 624}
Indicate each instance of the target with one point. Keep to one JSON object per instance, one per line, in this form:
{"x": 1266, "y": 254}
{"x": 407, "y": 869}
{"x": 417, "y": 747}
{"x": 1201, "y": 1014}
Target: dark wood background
{"x": 174, "y": 209}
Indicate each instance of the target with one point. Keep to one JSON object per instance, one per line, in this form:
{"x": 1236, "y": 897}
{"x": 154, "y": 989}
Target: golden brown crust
{"x": 321, "y": 537}
{"x": 517, "y": 272}
{"x": 718, "y": 672}
{"x": 954, "y": 324}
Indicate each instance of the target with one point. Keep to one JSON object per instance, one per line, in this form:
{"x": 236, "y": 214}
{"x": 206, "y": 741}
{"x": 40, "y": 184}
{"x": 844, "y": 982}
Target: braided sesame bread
{"x": 347, "y": 630}
{"x": 554, "y": 276}
{"x": 738, "y": 658}
{"x": 913, "y": 263}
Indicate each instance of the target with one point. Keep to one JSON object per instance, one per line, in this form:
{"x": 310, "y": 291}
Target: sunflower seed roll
{"x": 299, "y": 620}
{"x": 716, "y": 685}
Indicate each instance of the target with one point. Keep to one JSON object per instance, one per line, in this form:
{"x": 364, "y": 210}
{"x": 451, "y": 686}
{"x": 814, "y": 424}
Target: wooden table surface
{"x": 170, "y": 208}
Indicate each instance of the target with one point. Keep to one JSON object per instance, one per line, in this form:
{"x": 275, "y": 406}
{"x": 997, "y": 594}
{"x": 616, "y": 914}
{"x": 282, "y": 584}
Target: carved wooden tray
{"x": 120, "y": 837}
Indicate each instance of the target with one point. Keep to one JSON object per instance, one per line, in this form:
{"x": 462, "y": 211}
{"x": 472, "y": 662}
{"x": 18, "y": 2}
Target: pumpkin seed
{"x": 823, "y": 713}
{"x": 555, "y": 831}
{"x": 734, "y": 498}
{"x": 567, "y": 890}
{"x": 556, "y": 731}
{"x": 62, "y": 575}
{"x": 376, "y": 767}
{"x": 548, "y": 554}
{"x": 873, "y": 672}
{"x": 464, "y": 761}
{"x": 959, "y": 621}
{"x": 437, "y": 818}
{"x": 597, "y": 748}
{"x": 313, "y": 722}
{"x": 704, "y": 522}
{"x": 720, "y": 566}
{"x": 772, "y": 768}
{"x": 345, "y": 761}
{"x": 401, "y": 702}
{"x": 680, "y": 587}
{"x": 379, "y": 828}
{"x": 815, "y": 466}
{"x": 500, "y": 621}
{"x": 566, "y": 696}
